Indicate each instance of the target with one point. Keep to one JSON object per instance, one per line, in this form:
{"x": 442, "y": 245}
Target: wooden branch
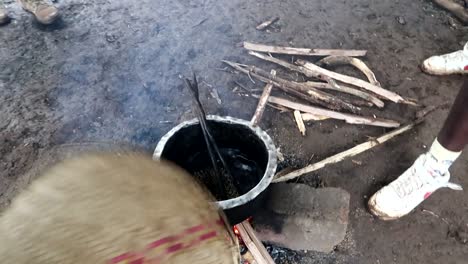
{"x": 293, "y": 92}
{"x": 316, "y": 96}
{"x": 346, "y": 154}
{"x": 267, "y": 23}
{"x": 255, "y": 246}
{"x": 335, "y": 85}
{"x": 257, "y": 255}
{"x": 351, "y": 119}
{"x": 262, "y": 102}
{"x": 303, "y": 52}
{"x": 312, "y": 117}
{"x": 357, "y": 63}
{"x": 332, "y": 102}
{"x": 456, "y": 9}
{"x": 287, "y": 65}
{"x": 299, "y": 122}
{"x": 316, "y": 71}
{"x": 345, "y": 89}
{"x": 361, "y": 103}
{"x": 256, "y": 240}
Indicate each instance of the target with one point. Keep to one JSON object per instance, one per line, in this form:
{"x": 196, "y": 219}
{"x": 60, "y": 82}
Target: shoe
{"x": 44, "y": 12}
{"x": 452, "y": 63}
{"x": 4, "y": 18}
{"x": 404, "y": 194}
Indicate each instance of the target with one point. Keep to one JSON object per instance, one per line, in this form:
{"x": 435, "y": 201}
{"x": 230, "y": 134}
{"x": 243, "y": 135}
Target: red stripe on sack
{"x": 195, "y": 229}
{"x": 174, "y": 248}
{"x": 162, "y": 241}
{"x": 121, "y": 258}
{"x": 466, "y": 68}
{"x": 180, "y": 246}
{"x": 138, "y": 261}
{"x": 170, "y": 239}
{"x": 208, "y": 235}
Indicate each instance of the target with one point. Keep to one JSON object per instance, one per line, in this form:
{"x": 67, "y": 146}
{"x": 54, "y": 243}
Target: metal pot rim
{"x": 266, "y": 139}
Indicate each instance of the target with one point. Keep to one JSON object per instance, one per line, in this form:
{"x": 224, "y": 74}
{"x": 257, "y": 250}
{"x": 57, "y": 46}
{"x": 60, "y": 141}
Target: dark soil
{"x": 107, "y": 74}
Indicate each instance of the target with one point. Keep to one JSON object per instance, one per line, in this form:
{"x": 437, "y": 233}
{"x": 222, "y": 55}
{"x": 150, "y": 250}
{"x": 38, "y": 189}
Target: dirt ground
{"x": 107, "y": 74}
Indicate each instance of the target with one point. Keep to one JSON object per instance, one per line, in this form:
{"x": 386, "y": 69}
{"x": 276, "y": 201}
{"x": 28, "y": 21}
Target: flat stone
{"x": 300, "y": 217}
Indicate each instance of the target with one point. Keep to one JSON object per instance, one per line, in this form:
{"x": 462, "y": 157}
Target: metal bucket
{"x": 184, "y": 141}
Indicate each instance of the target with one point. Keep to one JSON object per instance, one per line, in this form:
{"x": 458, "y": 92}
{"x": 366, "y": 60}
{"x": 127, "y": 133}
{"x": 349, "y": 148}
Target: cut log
{"x": 302, "y": 51}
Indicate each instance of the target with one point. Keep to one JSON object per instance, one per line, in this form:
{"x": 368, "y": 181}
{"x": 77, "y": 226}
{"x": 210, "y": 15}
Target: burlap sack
{"x": 114, "y": 209}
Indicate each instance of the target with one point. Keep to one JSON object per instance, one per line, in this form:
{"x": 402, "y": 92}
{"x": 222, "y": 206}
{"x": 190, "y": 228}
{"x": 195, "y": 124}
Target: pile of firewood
{"x": 318, "y": 102}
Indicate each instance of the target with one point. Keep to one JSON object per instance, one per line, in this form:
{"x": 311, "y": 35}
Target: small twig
{"x": 201, "y": 22}
{"x": 313, "y": 117}
{"x": 436, "y": 215}
{"x": 225, "y": 69}
{"x": 243, "y": 87}
{"x": 250, "y": 77}
{"x": 212, "y": 147}
{"x": 166, "y": 122}
{"x": 427, "y": 111}
{"x": 251, "y": 93}
{"x": 267, "y": 23}
{"x": 357, "y": 63}
{"x": 262, "y": 102}
{"x": 299, "y": 122}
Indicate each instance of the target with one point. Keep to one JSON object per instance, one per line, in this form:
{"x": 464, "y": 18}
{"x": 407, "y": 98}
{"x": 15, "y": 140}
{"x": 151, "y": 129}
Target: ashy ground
{"x": 108, "y": 73}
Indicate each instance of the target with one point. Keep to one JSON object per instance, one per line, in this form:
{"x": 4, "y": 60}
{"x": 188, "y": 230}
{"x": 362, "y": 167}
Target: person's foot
{"x": 4, "y": 18}
{"x": 413, "y": 187}
{"x": 44, "y": 12}
{"x": 452, "y": 63}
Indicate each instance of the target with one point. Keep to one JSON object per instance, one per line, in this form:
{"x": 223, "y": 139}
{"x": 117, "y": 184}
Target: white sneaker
{"x": 413, "y": 187}
{"x": 452, "y": 63}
